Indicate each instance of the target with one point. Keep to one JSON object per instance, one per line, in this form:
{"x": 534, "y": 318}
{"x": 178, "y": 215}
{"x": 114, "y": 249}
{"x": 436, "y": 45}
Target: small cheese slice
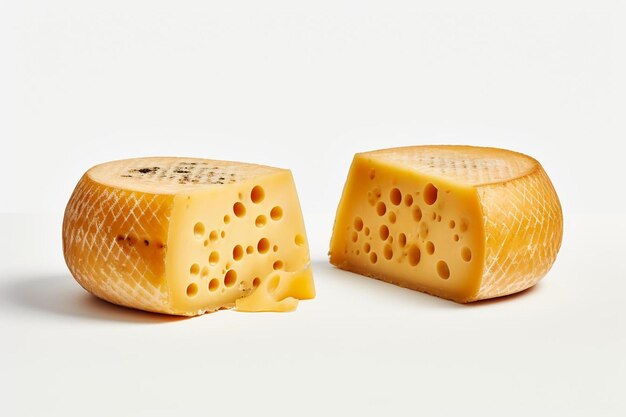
{"x": 463, "y": 223}
{"x": 186, "y": 236}
{"x": 279, "y": 292}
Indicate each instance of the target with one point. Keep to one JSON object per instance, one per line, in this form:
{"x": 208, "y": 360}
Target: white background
{"x": 305, "y": 85}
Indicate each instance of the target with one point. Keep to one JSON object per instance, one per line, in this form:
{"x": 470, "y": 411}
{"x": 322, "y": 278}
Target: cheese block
{"x": 463, "y": 223}
{"x": 186, "y": 236}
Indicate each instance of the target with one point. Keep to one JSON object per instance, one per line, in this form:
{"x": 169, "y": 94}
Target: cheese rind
{"x": 463, "y": 223}
{"x": 183, "y": 236}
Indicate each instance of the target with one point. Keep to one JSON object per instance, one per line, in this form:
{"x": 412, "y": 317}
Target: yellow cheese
{"x": 187, "y": 236}
{"x": 463, "y": 223}
{"x": 279, "y": 292}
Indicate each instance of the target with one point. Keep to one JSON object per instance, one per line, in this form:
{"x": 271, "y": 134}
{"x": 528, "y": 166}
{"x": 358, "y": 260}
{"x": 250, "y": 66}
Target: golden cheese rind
{"x": 462, "y": 223}
{"x": 114, "y": 249}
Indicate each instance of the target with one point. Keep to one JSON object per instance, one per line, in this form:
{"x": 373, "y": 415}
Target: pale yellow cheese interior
{"x": 187, "y": 236}
{"x": 229, "y": 240}
{"x": 463, "y": 223}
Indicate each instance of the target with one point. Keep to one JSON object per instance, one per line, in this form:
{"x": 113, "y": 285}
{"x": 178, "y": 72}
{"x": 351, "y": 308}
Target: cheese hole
{"x": 466, "y": 254}
{"x": 194, "y": 269}
{"x": 417, "y": 214}
{"x": 456, "y": 238}
{"x": 299, "y": 240}
{"x": 249, "y": 250}
{"x": 443, "y": 270}
{"x": 256, "y": 282}
{"x": 366, "y": 231}
{"x": 395, "y": 196}
{"x": 214, "y": 284}
{"x": 402, "y": 240}
{"x": 226, "y": 219}
{"x": 439, "y": 218}
{"x": 358, "y": 224}
{"x": 238, "y": 252}
{"x": 355, "y": 236}
{"x": 464, "y": 225}
{"x": 430, "y": 194}
{"x": 372, "y": 174}
{"x": 257, "y": 194}
{"x": 381, "y": 208}
{"x": 392, "y": 217}
{"x": 263, "y": 246}
{"x": 198, "y": 230}
{"x": 192, "y": 289}
{"x": 373, "y": 196}
{"x": 433, "y": 216}
{"x": 206, "y": 242}
{"x": 276, "y": 213}
{"x": 213, "y": 235}
{"x": 430, "y": 248}
{"x": 452, "y": 224}
{"x": 275, "y": 248}
{"x": 388, "y": 252}
{"x": 230, "y": 278}
{"x": 358, "y": 252}
{"x": 260, "y": 221}
{"x": 408, "y": 200}
{"x": 383, "y": 232}
{"x": 367, "y": 248}
{"x": 373, "y": 257}
{"x": 414, "y": 255}
{"x": 239, "y": 209}
{"x": 278, "y": 265}
{"x": 214, "y": 258}
{"x": 205, "y": 272}
{"x": 273, "y": 284}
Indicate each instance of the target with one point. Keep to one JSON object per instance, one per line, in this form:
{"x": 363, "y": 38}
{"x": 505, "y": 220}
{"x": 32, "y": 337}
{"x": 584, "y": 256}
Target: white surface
{"x": 305, "y": 86}
{"x": 362, "y": 347}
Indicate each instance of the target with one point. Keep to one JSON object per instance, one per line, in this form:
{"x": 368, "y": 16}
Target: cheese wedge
{"x": 463, "y": 223}
{"x": 186, "y": 236}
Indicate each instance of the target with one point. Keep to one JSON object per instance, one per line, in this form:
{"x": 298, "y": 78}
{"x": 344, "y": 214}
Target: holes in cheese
{"x": 276, "y": 213}
{"x": 237, "y": 252}
{"x": 239, "y": 209}
{"x": 192, "y": 290}
{"x": 263, "y": 246}
{"x": 469, "y": 223}
{"x": 214, "y": 258}
{"x": 260, "y": 221}
{"x": 198, "y": 230}
{"x": 230, "y": 278}
{"x": 187, "y": 236}
{"x": 257, "y": 194}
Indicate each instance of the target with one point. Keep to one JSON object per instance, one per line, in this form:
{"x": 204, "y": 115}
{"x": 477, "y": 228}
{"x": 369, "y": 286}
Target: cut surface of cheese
{"x": 463, "y": 223}
{"x": 186, "y": 236}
